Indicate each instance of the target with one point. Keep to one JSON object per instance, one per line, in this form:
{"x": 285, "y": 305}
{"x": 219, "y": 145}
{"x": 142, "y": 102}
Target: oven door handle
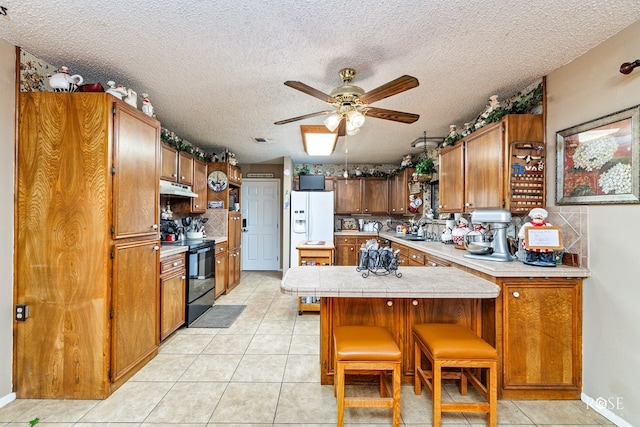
{"x": 201, "y": 251}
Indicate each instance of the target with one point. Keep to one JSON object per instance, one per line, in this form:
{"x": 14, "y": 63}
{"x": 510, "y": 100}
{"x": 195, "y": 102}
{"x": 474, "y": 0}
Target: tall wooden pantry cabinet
{"x": 87, "y": 244}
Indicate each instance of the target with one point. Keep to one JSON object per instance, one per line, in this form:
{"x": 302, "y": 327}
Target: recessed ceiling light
{"x": 318, "y": 140}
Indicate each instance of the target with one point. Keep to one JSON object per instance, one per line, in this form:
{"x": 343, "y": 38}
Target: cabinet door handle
{"x": 467, "y": 204}
{"x": 516, "y": 294}
{"x": 184, "y": 277}
{"x": 414, "y": 302}
{"x": 433, "y": 264}
{"x": 390, "y": 303}
{"x": 351, "y": 249}
{"x": 154, "y": 226}
{"x": 175, "y": 263}
{"x": 156, "y": 248}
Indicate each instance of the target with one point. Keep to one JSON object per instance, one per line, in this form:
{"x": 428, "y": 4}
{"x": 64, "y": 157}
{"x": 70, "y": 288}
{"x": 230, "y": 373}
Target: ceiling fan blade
{"x": 392, "y": 88}
{"x": 396, "y": 116}
{"x": 306, "y": 116}
{"x": 302, "y": 87}
{"x": 342, "y": 127}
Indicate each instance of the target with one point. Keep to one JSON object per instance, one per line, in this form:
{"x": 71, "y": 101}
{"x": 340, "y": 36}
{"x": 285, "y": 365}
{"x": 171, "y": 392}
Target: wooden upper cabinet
{"x": 169, "y": 163}
{"x": 399, "y": 192}
{"x": 135, "y": 181}
{"x": 484, "y": 173}
{"x": 199, "y": 204}
{"x": 185, "y": 168}
{"x": 176, "y": 166}
{"x": 484, "y": 181}
{"x": 451, "y": 179}
{"x": 348, "y": 196}
{"x": 375, "y": 195}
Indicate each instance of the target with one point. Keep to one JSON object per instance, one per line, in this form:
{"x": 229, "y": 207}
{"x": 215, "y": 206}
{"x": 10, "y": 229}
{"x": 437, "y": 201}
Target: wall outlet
{"x": 22, "y": 312}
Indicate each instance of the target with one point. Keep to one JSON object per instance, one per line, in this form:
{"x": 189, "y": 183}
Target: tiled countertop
{"x": 416, "y": 282}
{"x": 514, "y": 268}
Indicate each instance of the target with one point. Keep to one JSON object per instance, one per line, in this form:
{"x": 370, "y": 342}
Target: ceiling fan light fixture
{"x": 356, "y": 118}
{"x": 351, "y": 129}
{"x": 317, "y": 140}
{"x": 332, "y": 122}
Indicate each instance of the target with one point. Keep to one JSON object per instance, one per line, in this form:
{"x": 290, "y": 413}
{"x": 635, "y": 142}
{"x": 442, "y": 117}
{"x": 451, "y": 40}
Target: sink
{"x": 414, "y": 238}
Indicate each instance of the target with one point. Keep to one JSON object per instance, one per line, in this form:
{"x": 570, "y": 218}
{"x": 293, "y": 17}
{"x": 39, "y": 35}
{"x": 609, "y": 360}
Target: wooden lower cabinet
{"x": 535, "y": 324}
{"x": 220, "y": 269}
{"x": 346, "y": 251}
{"x": 135, "y": 307}
{"x": 172, "y": 294}
{"x": 348, "y": 247}
{"x": 541, "y": 340}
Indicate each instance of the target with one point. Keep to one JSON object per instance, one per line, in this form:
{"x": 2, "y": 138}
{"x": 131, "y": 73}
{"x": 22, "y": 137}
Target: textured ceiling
{"x": 215, "y": 69}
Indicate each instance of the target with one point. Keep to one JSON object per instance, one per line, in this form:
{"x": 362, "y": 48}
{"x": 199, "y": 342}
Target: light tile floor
{"x": 262, "y": 371}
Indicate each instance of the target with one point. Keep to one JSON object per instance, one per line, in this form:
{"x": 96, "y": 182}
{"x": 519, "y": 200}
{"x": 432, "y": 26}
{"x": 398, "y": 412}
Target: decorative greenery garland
{"x": 522, "y": 104}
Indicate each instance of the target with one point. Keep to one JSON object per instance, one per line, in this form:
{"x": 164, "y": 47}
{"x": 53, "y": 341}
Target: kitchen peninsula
{"x": 532, "y": 315}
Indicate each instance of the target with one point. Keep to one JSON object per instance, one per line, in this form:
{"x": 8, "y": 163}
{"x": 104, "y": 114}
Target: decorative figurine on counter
{"x": 147, "y": 108}
{"x": 460, "y": 230}
{"x": 117, "y": 91}
{"x": 538, "y": 257}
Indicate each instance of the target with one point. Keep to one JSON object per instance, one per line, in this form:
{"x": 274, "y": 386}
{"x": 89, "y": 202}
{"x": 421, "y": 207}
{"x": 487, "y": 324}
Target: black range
{"x": 200, "y": 276}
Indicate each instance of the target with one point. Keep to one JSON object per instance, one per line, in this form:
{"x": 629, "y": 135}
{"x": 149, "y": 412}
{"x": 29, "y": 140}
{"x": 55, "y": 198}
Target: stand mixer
{"x": 500, "y": 220}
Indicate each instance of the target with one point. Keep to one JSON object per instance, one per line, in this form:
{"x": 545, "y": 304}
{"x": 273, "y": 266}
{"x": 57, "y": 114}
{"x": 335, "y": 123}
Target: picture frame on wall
{"x": 598, "y": 161}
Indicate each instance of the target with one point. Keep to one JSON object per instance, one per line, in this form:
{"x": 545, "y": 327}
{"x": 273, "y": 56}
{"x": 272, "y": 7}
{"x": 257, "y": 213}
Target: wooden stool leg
{"x": 492, "y": 389}
{"x": 383, "y": 384}
{"x": 436, "y": 381}
{"x": 463, "y": 382}
{"x": 417, "y": 363}
{"x": 339, "y": 386}
{"x": 396, "y": 395}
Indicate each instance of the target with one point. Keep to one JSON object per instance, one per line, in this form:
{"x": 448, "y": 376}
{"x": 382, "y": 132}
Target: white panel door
{"x": 261, "y": 224}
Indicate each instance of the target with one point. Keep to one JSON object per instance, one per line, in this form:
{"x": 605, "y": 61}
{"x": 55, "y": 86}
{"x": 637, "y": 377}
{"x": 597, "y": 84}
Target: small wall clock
{"x": 217, "y": 180}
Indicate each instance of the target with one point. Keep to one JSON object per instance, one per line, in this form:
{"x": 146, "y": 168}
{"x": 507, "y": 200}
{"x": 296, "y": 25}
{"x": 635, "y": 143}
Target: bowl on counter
{"x": 195, "y": 235}
{"x": 479, "y": 248}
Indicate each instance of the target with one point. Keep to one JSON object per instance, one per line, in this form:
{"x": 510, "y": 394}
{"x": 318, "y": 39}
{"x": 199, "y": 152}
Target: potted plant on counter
{"x": 425, "y": 170}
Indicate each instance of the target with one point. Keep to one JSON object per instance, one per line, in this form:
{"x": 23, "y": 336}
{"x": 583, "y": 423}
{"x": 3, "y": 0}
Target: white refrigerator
{"x": 311, "y": 219}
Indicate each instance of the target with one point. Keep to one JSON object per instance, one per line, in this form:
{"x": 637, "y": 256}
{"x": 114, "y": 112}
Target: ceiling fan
{"x": 351, "y": 103}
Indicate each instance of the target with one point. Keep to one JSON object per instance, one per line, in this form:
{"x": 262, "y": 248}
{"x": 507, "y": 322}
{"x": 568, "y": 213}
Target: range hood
{"x": 175, "y": 189}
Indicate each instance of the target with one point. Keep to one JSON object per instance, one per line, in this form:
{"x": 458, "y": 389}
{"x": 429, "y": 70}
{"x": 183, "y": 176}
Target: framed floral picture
{"x": 598, "y": 161}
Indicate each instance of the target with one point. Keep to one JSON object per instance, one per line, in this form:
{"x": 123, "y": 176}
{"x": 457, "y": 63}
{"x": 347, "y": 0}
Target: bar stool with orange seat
{"x": 363, "y": 350}
{"x": 447, "y": 345}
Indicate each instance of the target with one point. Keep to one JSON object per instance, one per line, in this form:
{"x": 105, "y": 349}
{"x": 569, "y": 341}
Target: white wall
{"x": 588, "y": 88}
{"x": 7, "y": 139}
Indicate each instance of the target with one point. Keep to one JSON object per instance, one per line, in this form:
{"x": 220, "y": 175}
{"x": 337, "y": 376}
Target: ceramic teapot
{"x": 62, "y": 81}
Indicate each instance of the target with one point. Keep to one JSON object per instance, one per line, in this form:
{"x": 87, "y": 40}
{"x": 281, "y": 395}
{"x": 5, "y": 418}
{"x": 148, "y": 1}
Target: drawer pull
{"x": 390, "y": 303}
{"x": 175, "y": 263}
{"x": 433, "y": 264}
{"x": 516, "y": 294}
{"x": 414, "y": 302}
